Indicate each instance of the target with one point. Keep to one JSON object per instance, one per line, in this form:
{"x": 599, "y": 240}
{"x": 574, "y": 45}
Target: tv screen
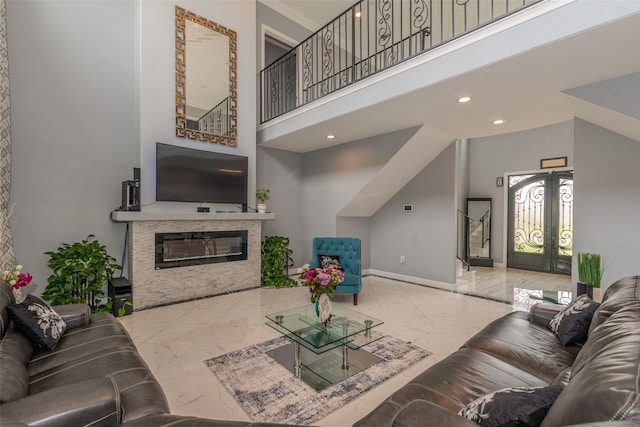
{"x": 188, "y": 175}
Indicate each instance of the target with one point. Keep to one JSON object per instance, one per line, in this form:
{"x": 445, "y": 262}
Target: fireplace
{"x": 199, "y": 247}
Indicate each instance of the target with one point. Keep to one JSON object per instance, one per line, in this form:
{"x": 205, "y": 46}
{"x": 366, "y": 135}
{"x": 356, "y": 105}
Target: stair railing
{"x": 370, "y": 36}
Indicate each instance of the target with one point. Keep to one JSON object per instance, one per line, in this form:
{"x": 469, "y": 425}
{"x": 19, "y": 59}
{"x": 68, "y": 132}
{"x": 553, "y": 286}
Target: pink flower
{"x": 324, "y": 279}
{"x": 23, "y": 280}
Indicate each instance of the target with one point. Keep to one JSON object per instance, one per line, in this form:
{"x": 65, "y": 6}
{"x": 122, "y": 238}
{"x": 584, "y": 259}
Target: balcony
{"x": 369, "y": 37}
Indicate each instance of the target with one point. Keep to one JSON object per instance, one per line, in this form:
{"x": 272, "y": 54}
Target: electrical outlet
{"x": 401, "y": 259}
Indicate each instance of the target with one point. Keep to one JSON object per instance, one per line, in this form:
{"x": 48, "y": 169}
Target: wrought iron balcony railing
{"x": 370, "y": 36}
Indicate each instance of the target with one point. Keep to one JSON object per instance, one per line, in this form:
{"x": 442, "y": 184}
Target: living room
{"x": 92, "y": 92}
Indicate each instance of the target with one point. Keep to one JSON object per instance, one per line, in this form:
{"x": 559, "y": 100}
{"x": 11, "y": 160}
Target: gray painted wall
{"x": 282, "y": 172}
{"x": 308, "y": 190}
{"x": 492, "y": 157}
{"x": 357, "y": 227}
{"x": 73, "y": 123}
{"x": 425, "y": 236}
{"x": 606, "y": 186}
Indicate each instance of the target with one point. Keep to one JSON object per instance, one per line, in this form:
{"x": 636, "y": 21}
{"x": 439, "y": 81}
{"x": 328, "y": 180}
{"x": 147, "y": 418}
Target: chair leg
{"x": 355, "y": 299}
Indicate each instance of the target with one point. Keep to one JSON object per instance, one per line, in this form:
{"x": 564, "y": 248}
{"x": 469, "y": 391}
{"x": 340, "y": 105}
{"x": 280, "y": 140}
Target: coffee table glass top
{"x": 346, "y": 327}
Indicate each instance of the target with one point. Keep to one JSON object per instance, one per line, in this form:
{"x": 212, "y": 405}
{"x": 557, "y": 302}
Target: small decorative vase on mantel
{"x": 262, "y": 195}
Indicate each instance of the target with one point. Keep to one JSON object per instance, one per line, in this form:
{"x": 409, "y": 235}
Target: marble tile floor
{"x": 175, "y": 339}
{"x": 503, "y": 284}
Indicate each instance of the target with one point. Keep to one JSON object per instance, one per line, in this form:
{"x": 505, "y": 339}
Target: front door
{"x": 540, "y": 222}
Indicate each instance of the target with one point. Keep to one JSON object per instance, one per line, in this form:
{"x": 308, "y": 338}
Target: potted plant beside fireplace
{"x": 277, "y": 257}
{"x": 80, "y": 271}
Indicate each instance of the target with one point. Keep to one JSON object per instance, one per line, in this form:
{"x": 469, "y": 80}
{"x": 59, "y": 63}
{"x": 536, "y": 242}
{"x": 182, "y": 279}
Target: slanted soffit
{"x": 522, "y": 72}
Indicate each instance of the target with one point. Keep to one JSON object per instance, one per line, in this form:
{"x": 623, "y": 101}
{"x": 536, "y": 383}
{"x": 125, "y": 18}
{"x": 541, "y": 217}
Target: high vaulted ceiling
{"x": 590, "y": 71}
{"x": 311, "y": 14}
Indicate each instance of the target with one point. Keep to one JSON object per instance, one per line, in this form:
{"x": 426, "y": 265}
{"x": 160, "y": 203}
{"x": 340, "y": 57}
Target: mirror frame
{"x": 181, "y": 91}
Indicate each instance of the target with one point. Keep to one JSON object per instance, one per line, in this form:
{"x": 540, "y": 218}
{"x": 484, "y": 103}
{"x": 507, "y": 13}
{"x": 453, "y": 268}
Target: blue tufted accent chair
{"x": 348, "y": 249}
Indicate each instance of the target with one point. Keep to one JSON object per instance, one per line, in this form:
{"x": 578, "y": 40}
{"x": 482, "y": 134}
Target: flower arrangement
{"x": 321, "y": 280}
{"x": 15, "y": 278}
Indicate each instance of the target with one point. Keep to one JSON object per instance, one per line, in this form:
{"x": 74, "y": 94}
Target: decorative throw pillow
{"x": 572, "y": 322}
{"x": 330, "y": 261}
{"x": 38, "y": 321}
{"x": 517, "y": 406}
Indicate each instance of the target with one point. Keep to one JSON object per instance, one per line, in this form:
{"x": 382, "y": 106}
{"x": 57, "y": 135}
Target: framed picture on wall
{"x": 555, "y": 162}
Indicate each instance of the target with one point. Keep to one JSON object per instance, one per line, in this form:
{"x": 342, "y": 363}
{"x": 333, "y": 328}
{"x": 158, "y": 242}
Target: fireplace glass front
{"x": 194, "y": 248}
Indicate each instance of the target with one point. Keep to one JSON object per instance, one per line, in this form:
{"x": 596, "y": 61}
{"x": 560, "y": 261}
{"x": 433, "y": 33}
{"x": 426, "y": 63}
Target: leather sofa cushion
{"x": 6, "y": 299}
{"x": 418, "y": 412}
{"x": 93, "y": 403}
{"x": 519, "y": 342}
{"x": 16, "y": 344}
{"x": 604, "y": 379}
{"x": 81, "y": 343}
{"x": 620, "y": 294}
{"x": 463, "y": 377}
{"x": 124, "y": 365}
{"x": 14, "y": 379}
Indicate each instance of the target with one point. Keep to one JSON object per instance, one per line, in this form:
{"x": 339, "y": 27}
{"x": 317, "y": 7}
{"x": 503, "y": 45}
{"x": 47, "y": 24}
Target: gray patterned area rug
{"x": 268, "y": 392}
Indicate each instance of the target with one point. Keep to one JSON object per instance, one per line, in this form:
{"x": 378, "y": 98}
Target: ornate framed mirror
{"x": 479, "y": 231}
{"x": 206, "y": 80}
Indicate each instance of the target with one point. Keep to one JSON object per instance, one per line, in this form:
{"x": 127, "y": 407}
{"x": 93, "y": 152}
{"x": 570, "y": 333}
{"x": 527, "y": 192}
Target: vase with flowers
{"x": 16, "y": 279}
{"x": 322, "y": 284}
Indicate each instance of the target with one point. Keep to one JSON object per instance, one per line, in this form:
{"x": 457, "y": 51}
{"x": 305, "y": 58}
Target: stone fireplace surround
{"x": 153, "y": 287}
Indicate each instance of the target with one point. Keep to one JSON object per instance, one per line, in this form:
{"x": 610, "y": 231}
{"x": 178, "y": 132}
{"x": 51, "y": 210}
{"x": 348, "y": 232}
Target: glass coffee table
{"x": 324, "y": 355}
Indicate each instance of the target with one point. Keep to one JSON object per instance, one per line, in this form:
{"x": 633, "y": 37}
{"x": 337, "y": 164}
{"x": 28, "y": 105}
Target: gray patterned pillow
{"x": 572, "y": 322}
{"x": 34, "y": 318}
{"x": 510, "y": 407}
{"x": 327, "y": 261}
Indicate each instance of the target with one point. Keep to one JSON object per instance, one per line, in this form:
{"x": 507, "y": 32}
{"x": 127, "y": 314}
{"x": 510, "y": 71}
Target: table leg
{"x": 297, "y": 365}
{"x": 345, "y": 357}
{"x": 345, "y": 349}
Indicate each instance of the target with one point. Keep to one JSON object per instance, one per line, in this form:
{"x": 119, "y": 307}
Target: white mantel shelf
{"x": 129, "y": 216}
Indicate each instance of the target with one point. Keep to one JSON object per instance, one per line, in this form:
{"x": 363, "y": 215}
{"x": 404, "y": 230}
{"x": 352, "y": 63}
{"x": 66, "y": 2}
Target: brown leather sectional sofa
{"x": 600, "y": 377}
{"x": 95, "y": 375}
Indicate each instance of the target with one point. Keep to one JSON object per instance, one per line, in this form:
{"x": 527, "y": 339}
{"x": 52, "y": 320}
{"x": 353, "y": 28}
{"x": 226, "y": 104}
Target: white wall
{"x": 73, "y": 87}
{"x": 92, "y": 91}
{"x": 606, "y": 203}
{"x": 426, "y": 236}
{"x": 492, "y": 157}
{"x": 157, "y": 87}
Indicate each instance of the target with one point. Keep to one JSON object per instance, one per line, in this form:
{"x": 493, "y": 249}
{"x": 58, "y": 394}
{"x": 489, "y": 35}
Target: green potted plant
{"x": 262, "y": 195}
{"x": 590, "y": 269}
{"x": 80, "y": 271}
{"x": 277, "y": 257}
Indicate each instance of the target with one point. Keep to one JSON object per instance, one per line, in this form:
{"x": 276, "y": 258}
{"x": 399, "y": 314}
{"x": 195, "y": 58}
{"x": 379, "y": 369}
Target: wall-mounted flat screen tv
{"x": 190, "y": 175}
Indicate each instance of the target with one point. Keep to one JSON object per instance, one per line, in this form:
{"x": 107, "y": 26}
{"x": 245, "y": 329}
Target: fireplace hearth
{"x": 198, "y": 247}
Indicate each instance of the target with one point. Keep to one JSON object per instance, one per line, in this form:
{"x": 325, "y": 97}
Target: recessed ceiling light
{"x": 499, "y": 121}
{"x": 330, "y": 136}
{"x": 464, "y": 99}
{"x": 358, "y": 14}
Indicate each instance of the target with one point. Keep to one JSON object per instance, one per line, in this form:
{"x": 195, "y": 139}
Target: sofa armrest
{"x": 90, "y": 402}
{"x": 542, "y": 313}
{"x": 74, "y": 315}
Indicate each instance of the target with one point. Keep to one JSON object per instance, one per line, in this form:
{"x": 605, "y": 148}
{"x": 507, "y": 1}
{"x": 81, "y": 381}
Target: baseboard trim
{"x": 411, "y": 279}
